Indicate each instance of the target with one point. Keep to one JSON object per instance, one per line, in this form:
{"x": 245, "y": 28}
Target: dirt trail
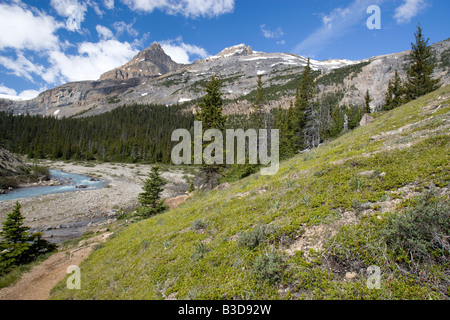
{"x": 37, "y": 283}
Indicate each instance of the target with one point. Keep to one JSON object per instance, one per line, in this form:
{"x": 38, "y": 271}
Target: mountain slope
{"x": 321, "y": 221}
{"x": 237, "y": 67}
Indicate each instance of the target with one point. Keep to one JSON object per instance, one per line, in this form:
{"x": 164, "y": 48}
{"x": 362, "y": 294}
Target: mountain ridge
{"x": 162, "y": 81}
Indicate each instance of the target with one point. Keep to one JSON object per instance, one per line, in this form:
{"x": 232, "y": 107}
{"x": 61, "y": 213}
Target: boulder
{"x": 366, "y": 119}
{"x": 223, "y": 186}
{"x": 350, "y": 275}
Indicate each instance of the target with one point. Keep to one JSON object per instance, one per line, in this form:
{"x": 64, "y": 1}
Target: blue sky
{"x": 47, "y": 43}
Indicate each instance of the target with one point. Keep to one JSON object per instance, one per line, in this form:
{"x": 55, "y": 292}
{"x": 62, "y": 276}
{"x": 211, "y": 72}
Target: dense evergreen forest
{"x": 137, "y": 133}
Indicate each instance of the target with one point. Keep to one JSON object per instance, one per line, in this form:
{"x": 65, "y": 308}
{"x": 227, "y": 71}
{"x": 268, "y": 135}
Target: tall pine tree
{"x": 303, "y": 100}
{"x": 258, "y": 105}
{"x": 211, "y": 116}
{"x": 367, "y": 100}
{"x": 420, "y": 71}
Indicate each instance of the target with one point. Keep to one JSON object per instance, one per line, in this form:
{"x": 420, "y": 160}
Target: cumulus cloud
{"x": 73, "y": 10}
{"x": 7, "y": 91}
{"x": 181, "y": 52}
{"x": 11, "y": 94}
{"x": 187, "y": 8}
{"x": 92, "y": 60}
{"x": 408, "y": 10}
{"x": 26, "y": 28}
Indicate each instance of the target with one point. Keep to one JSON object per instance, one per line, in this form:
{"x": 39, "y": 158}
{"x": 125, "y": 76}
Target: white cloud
{"x": 278, "y": 33}
{"x": 181, "y": 52}
{"x": 92, "y": 60}
{"x": 187, "y": 8}
{"x": 6, "y": 90}
{"x": 11, "y": 94}
{"x": 26, "y": 29}
{"x": 95, "y": 6}
{"x": 109, "y": 4}
{"x": 336, "y": 15}
{"x": 121, "y": 27}
{"x": 73, "y": 10}
{"x": 21, "y": 66}
{"x": 103, "y": 32}
{"x": 335, "y": 25}
{"x": 408, "y": 10}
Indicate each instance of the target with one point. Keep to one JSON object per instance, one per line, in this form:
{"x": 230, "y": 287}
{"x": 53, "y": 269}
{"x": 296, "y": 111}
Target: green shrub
{"x": 422, "y": 234}
{"x": 200, "y": 250}
{"x": 41, "y": 170}
{"x": 199, "y": 225}
{"x": 6, "y": 182}
{"x": 269, "y": 267}
{"x": 254, "y": 237}
{"x": 357, "y": 182}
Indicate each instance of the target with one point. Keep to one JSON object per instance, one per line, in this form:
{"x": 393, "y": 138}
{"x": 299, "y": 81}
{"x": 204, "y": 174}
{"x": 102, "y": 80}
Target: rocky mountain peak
{"x": 150, "y": 62}
{"x": 237, "y": 50}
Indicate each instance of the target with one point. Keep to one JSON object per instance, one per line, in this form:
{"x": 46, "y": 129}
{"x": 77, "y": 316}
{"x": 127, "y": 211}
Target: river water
{"x": 69, "y": 181}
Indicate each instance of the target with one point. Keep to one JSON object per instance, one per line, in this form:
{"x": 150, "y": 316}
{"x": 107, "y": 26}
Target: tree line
{"x": 136, "y": 133}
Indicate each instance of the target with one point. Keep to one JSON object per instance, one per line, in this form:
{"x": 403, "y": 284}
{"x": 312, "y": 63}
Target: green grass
{"x": 166, "y": 255}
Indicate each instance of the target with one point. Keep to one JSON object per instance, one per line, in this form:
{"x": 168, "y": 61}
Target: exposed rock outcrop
{"x": 10, "y": 164}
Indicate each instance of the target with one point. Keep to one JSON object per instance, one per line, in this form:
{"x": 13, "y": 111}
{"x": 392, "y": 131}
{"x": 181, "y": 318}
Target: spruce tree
{"x": 210, "y": 115}
{"x": 394, "y": 96}
{"x": 258, "y": 104}
{"x": 367, "y": 100}
{"x": 304, "y": 98}
{"x": 14, "y": 247}
{"x": 211, "y": 107}
{"x": 150, "y": 199}
{"x": 421, "y": 67}
{"x": 285, "y": 122}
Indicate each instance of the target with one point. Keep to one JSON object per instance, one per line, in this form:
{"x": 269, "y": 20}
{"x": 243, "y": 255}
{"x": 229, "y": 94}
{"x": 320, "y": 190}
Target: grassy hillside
{"x": 375, "y": 196}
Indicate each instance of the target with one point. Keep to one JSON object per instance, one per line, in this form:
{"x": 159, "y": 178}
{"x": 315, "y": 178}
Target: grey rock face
{"x": 150, "y": 62}
{"x": 10, "y": 164}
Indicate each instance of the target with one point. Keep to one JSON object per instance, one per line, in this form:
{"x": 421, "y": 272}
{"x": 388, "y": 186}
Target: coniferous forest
{"x": 137, "y": 133}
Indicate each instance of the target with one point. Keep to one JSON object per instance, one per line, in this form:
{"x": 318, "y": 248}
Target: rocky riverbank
{"x": 66, "y": 215}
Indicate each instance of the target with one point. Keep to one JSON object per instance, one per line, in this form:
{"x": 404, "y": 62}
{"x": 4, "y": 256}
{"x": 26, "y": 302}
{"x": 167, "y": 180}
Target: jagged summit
{"x": 150, "y": 62}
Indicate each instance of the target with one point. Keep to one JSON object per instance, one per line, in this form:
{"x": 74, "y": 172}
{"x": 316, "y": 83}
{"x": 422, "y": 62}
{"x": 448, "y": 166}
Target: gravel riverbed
{"x": 67, "y": 215}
